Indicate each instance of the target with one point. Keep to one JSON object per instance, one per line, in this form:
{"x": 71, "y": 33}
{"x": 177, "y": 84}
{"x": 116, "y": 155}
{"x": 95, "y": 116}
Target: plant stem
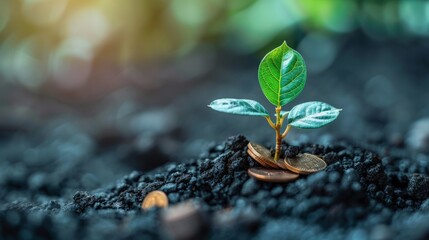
{"x": 270, "y": 122}
{"x": 278, "y": 134}
{"x": 288, "y": 128}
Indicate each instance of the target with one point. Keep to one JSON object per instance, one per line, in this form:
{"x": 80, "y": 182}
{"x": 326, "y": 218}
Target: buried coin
{"x": 155, "y": 199}
{"x": 303, "y": 164}
{"x": 272, "y": 175}
{"x": 261, "y": 154}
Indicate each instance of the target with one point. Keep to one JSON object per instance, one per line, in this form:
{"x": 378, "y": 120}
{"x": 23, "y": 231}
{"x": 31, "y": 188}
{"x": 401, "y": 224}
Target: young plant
{"x": 282, "y": 75}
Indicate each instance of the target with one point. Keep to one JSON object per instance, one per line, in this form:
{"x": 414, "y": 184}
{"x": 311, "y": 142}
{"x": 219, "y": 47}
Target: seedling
{"x": 282, "y": 75}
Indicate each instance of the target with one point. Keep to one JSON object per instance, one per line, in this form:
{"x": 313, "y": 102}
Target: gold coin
{"x": 155, "y": 199}
{"x": 303, "y": 164}
{"x": 272, "y": 175}
{"x": 261, "y": 154}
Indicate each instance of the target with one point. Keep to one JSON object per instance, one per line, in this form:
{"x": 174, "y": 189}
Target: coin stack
{"x": 284, "y": 170}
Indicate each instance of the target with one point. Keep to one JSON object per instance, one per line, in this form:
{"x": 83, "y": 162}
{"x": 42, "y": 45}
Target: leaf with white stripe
{"x": 312, "y": 115}
{"x": 282, "y": 74}
{"x": 239, "y": 106}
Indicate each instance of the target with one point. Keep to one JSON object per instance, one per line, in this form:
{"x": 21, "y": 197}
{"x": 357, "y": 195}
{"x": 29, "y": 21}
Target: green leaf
{"x": 239, "y": 106}
{"x": 312, "y": 115}
{"x": 282, "y": 75}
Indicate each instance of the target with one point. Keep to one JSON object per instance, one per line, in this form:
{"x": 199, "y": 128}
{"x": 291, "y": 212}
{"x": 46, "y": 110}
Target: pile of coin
{"x": 284, "y": 170}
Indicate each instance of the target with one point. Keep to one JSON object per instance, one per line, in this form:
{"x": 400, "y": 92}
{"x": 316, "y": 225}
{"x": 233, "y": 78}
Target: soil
{"x": 81, "y": 170}
{"x": 362, "y": 194}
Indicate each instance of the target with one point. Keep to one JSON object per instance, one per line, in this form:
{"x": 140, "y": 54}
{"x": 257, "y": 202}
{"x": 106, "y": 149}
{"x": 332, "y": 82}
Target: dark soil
{"x": 362, "y": 194}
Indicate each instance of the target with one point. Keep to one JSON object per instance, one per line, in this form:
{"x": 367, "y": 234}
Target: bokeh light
{"x": 29, "y": 62}
{"x": 4, "y": 14}
{"x": 70, "y": 63}
{"x": 89, "y": 24}
{"x": 43, "y": 12}
{"x": 134, "y": 32}
{"x": 253, "y": 33}
{"x": 415, "y": 16}
{"x": 333, "y": 15}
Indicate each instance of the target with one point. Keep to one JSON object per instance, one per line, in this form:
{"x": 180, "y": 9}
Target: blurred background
{"x": 91, "y": 90}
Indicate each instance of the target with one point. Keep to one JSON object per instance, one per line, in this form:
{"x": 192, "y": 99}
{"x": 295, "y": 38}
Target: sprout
{"x": 282, "y": 75}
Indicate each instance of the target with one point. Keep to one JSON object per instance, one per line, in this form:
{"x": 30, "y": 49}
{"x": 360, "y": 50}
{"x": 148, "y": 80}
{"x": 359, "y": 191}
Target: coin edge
{"x": 296, "y": 170}
{"x": 270, "y": 163}
{"x": 254, "y": 175}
